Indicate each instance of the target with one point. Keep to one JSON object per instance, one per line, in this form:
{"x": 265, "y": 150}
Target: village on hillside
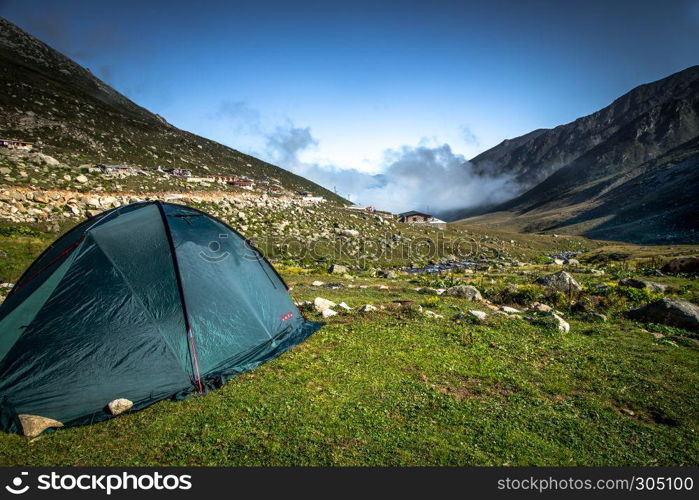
{"x": 85, "y": 191}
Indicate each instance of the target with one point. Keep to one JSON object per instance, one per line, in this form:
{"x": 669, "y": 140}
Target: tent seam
{"x": 180, "y": 288}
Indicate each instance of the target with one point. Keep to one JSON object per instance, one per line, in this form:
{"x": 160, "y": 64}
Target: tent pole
{"x": 180, "y": 288}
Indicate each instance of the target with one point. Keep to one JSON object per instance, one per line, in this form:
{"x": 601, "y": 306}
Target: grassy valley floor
{"x": 397, "y": 386}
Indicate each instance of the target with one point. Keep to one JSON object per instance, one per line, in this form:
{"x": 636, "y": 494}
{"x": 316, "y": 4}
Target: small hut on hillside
{"x": 415, "y": 217}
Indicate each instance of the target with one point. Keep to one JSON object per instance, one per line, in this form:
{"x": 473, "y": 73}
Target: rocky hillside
{"x": 532, "y": 157}
{"x": 77, "y": 119}
{"x": 627, "y": 171}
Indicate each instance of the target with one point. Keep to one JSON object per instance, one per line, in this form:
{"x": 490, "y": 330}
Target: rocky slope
{"x": 79, "y": 120}
{"x": 625, "y": 172}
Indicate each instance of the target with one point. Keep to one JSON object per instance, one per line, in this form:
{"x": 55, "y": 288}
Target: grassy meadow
{"x": 399, "y": 386}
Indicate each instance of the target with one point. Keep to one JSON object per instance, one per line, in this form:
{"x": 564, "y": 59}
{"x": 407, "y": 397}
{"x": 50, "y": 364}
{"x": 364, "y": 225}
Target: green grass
{"x": 396, "y": 387}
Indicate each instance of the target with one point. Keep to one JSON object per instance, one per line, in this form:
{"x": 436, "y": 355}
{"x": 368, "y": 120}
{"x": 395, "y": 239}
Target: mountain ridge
{"x": 653, "y": 123}
{"x": 77, "y": 118}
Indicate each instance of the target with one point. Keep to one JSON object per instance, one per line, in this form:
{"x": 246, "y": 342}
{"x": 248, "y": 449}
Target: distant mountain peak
{"x": 582, "y": 176}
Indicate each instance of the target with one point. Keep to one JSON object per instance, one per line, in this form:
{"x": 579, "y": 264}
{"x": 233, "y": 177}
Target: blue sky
{"x": 351, "y": 83}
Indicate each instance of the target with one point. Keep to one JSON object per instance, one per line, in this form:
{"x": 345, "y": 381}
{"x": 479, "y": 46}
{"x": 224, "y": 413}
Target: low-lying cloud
{"x": 428, "y": 176}
{"x": 424, "y": 177}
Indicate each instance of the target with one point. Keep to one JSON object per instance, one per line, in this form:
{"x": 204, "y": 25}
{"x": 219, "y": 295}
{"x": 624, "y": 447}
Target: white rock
{"x": 563, "y": 325}
{"x": 322, "y": 304}
{"x": 478, "y": 314}
{"x": 510, "y": 310}
{"x": 81, "y": 179}
{"x": 433, "y": 315}
{"x": 367, "y": 308}
{"x": 119, "y": 406}
{"x": 328, "y": 313}
{"x": 344, "y": 306}
{"x": 317, "y": 283}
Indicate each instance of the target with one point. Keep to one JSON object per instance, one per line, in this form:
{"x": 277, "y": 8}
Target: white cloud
{"x": 427, "y": 176}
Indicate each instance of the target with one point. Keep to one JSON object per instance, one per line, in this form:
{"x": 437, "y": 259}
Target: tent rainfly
{"x": 141, "y": 303}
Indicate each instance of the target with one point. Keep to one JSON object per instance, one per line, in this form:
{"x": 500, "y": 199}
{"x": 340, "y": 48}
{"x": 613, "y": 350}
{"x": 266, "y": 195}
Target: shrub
{"x": 542, "y": 259}
{"x": 431, "y": 301}
{"x": 520, "y": 294}
{"x": 437, "y": 281}
{"x": 638, "y": 295}
{"x": 12, "y": 231}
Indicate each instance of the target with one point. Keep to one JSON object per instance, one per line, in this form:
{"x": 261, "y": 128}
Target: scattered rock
{"x": 478, "y": 314}
{"x": 672, "y": 312}
{"x": 563, "y": 325}
{"x": 338, "y": 269}
{"x": 367, "y": 308}
{"x": 119, "y": 406}
{"x": 344, "y": 306}
{"x": 641, "y": 284}
{"x": 33, "y": 425}
{"x": 561, "y": 281}
{"x": 317, "y": 283}
{"x": 47, "y": 160}
{"x": 81, "y": 179}
{"x": 350, "y": 233}
{"x": 510, "y": 310}
{"x": 433, "y": 315}
{"x": 598, "y": 316}
{"x": 464, "y": 291}
{"x": 390, "y": 275}
{"x": 682, "y": 265}
{"x": 328, "y": 313}
{"x": 322, "y": 304}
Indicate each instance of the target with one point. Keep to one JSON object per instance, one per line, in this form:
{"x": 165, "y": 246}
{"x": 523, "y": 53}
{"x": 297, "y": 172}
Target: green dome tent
{"x": 144, "y": 302}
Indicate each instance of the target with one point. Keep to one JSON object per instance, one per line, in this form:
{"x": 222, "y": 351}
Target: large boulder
{"x": 560, "y": 281}
{"x": 635, "y": 283}
{"x": 672, "y": 312}
{"x": 682, "y": 265}
{"x": 464, "y": 291}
